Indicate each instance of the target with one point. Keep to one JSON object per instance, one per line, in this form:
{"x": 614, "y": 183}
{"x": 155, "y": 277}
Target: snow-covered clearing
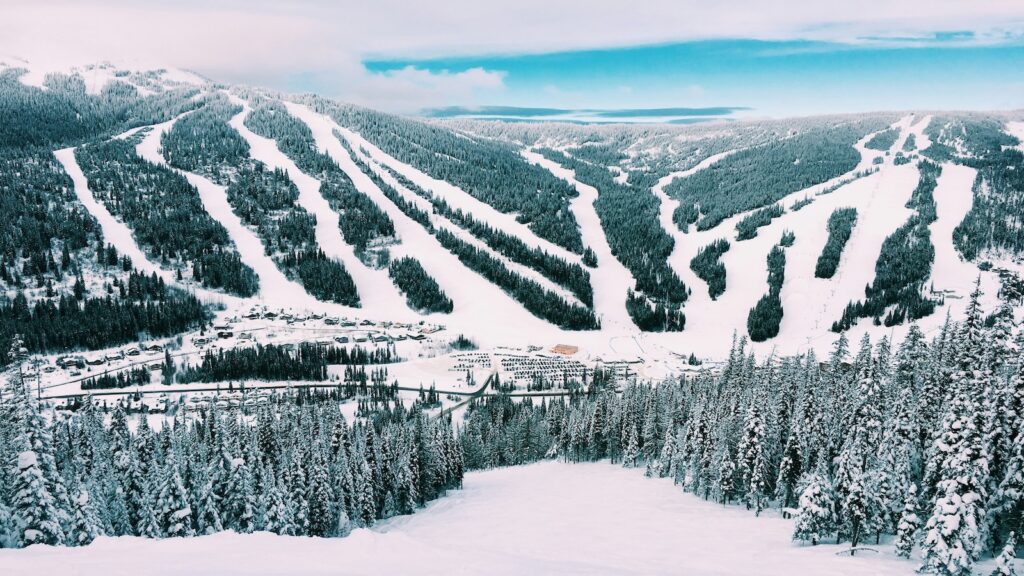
{"x": 275, "y": 288}
{"x": 546, "y": 518}
{"x": 481, "y": 309}
{"x": 376, "y": 291}
{"x": 610, "y": 279}
{"x": 117, "y": 233}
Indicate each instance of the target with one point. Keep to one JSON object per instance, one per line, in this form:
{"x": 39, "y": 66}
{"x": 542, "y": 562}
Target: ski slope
{"x": 275, "y": 288}
{"x": 610, "y": 279}
{"x": 481, "y": 309}
{"x": 376, "y": 291}
{"x": 545, "y": 518}
{"x": 459, "y": 199}
{"x": 117, "y": 232}
{"x": 440, "y": 221}
{"x": 951, "y": 272}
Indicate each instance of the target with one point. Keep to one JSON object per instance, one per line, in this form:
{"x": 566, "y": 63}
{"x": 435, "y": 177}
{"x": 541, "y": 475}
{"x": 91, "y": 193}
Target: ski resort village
{"x": 253, "y": 331}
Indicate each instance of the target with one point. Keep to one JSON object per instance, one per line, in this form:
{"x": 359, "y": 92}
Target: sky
{"x": 767, "y": 58}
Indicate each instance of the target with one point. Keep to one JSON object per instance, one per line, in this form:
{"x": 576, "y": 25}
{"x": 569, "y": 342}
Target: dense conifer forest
{"x": 297, "y": 468}
{"x": 361, "y": 221}
{"x": 64, "y": 113}
{"x": 419, "y": 288}
{"x": 142, "y": 306}
{"x": 265, "y": 199}
{"x": 273, "y": 362}
{"x": 883, "y": 140}
{"x": 165, "y": 213}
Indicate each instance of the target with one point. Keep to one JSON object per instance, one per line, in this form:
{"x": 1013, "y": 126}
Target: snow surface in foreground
{"x": 547, "y": 518}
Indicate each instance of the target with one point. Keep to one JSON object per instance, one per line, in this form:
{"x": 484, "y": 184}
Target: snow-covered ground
{"x": 950, "y": 271}
{"x": 546, "y": 518}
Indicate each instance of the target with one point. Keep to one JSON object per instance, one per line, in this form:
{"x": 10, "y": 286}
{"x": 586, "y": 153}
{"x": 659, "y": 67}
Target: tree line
{"x": 270, "y": 362}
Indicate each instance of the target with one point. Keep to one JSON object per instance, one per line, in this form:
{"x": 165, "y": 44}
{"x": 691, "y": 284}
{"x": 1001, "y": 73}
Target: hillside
{"x": 538, "y": 233}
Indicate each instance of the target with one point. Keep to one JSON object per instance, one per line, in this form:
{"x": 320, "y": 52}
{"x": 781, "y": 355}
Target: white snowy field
{"x": 546, "y": 518}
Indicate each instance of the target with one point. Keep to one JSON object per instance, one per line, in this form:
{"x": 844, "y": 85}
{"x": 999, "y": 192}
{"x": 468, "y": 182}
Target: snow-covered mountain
{"x": 640, "y": 241}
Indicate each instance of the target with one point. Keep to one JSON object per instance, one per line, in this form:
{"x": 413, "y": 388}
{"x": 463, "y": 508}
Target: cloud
{"x": 323, "y": 43}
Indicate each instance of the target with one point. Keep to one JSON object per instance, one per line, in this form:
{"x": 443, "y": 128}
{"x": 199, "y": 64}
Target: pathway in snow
{"x": 117, "y": 233}
{"x": 275, "y": 288}
{"x": 481, "y": 309}
{"x": 921, "y": 140}
{"x": 458, "y": 199}
{"x": 376, "y": 291}
{"x": 545, "y": 518}
{"x": 610, "y": 279}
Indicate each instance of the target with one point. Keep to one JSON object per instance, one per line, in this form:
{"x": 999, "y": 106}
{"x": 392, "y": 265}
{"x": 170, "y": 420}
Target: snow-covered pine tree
{"x": 173, "y": 512}
{"x": 34, "y": 507}
{"x": 207, "y": 510}
{"x": 815, "y": 518}
{"x": 277, "y": 517}
{"x": 909, "y": 524}
{"x": 85, "y": 526}
{"x": 1006, "y": 558}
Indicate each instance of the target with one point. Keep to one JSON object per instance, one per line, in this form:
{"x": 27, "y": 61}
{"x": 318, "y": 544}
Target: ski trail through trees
{"x": 376, "y": 291}
{"x": 120, "y": 235}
